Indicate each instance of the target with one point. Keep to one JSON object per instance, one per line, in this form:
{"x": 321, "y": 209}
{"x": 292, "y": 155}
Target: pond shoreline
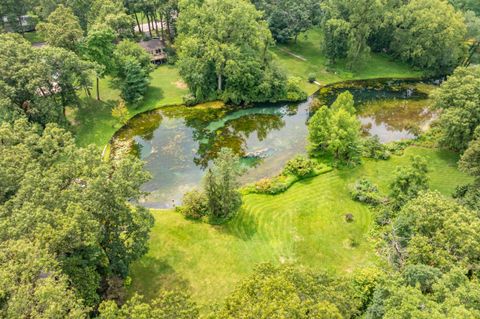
{"x": 221, "y": 104}
{"x": 178, "y": 143}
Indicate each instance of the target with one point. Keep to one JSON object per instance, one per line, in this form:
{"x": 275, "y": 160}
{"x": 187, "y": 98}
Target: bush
{"x": 372, "y": 148}
{"x": 312, "y": 78}
{"x": 195, "y": 205}
{"x": 294, "y": 92}
{"x": 190, "y": 100}
{"x": 398, "y": 147}
{"x": 300, "y": 166}
{"x": 282, "y": 182}
{"x": 366, "y": 192}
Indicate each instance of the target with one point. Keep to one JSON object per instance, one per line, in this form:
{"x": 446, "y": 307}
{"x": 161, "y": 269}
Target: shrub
{"x": 312, "y": 78}
{"x": 195, "y": 205}
{"x": 398, "y": 147}
{"x": 294, "y": 91}
{"x": 282, "y": 182}
{"x": 300, "y": 166}
{"x": 365, "y": 191}
{"x": 190, "y": 100}
{"x": 372, "y": 148}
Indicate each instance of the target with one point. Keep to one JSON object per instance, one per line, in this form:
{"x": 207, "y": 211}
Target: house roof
{"x": 152, "y": 44}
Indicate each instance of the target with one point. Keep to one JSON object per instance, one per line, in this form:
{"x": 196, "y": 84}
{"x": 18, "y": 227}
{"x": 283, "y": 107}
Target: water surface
{"x": 178, "y": 143}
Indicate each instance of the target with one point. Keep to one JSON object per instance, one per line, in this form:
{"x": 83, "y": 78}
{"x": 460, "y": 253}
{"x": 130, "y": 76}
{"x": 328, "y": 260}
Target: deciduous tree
{"x": 459, "y": 97}
{"x": 429, "y": 34}
{"x": 62, "y": 29}
{"x": 98, "y": 47}
{"x": 409, "y": 182}
{"x": 76, "y": 206}
{"x": 336, "y": 131}
{"x": 221, "y": 186}
{"x": 288, "y": 18}
{"x": 223, "y": 50}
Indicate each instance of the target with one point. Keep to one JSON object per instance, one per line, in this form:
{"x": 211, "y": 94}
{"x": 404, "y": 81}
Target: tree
{"x": 126, "y": 49}
{"x": 194, "y": 205}
{"x": 452, "y": 295}
{"x": 336, "y": 131}
{"x": 409, "y": 182}
{"x": 469, "y": 195}
{"x": 131, "y": 70}
{"x": 120, "y": 112}
{"x": 62, "y": 29}
{"x": 472, "y": 21}
{"x": 221, "y": 185}
{"x": 470, "y": 161}
{"x": 348, "y": 25}
{"x": 32, "y": 284}
{"x": 290, "y": 292}
{"x": 459, "y": 97}
{"x": 336, "y": 39}
{"x": 467, "y": 5}
{"x": 136, "y": 81}
{"x": 437, "y": 231}
{"x": 429, "y": 34}
{"x": 110, "y": 14}
{"x": 288, "y": 18}
{"x": 82, "y": 9}
{"x": 76, "y": 206}
{"x": 167, "y": 305}
{"x": 39, "y": 83}
{"x": 223, "y": 53}
{"x": 98, "y": 47}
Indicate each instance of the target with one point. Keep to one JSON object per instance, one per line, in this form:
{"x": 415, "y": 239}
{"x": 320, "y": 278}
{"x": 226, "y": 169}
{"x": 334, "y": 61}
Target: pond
{"x": 178, "y": 143}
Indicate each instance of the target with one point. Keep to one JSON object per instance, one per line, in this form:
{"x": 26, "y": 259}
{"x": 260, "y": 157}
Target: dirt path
{"x": 293, "y": 54}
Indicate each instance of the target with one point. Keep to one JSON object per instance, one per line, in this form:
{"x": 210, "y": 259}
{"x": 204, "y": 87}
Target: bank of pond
{"x": 178, "y": 143}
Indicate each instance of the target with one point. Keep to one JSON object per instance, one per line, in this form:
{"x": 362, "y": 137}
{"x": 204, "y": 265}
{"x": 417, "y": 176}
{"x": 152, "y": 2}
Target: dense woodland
{"x": 71, "y": 225}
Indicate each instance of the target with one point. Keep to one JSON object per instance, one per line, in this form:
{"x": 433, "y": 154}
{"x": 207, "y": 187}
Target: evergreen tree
{"x": 221, "y": 186}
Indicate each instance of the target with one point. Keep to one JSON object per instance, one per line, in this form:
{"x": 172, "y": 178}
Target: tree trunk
{"x": 168, "y": 28}
{"x": 148, "y": 23}
{"x": 98, "y": 89}
{"x": 138, "y": 23}
{"x": 161, "y": 26}
{"x": 219, "y": 78}
{"x": 473, "y": 49}
{"x": 154, "y": 14}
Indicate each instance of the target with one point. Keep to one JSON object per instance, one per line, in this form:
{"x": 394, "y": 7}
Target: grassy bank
{"x": 93, "y": 122}
{"x": 305, "y": 57}
{"x": 305, "y": 224}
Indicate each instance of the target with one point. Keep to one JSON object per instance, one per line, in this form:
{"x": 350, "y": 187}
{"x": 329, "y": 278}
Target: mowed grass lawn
{"x": 306, "y": 57}
{"x": 93, "y": 122}
{"x": 306, "y": 225}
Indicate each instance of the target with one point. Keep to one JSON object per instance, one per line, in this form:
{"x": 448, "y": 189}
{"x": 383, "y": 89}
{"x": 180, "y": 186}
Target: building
{"x": 156, "y": 48}
{"x": 26, "y": 23}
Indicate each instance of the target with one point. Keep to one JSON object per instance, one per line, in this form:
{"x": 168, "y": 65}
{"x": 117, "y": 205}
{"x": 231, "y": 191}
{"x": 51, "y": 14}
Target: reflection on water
{"x": 178, "y": 143}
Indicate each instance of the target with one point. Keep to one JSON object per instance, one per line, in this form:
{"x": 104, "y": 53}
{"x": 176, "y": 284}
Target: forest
{"x": 239, "y": 159}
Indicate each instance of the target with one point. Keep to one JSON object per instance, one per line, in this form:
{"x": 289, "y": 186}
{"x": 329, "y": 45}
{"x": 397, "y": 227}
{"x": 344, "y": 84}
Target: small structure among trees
{"x": 156, "y": 48}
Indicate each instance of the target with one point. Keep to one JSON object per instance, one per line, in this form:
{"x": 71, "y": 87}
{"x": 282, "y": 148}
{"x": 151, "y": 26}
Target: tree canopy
{"x": 72, "y": 204}
{"x": 223, "y": 53}
{"x": 62, "y": 29}
{"x": 459, "y": 98}
{"x": 288, "y": 18}
{"x": 335, "y": 131}
{"x": 38, "y": 83}
{"x": 429, "y": 34}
